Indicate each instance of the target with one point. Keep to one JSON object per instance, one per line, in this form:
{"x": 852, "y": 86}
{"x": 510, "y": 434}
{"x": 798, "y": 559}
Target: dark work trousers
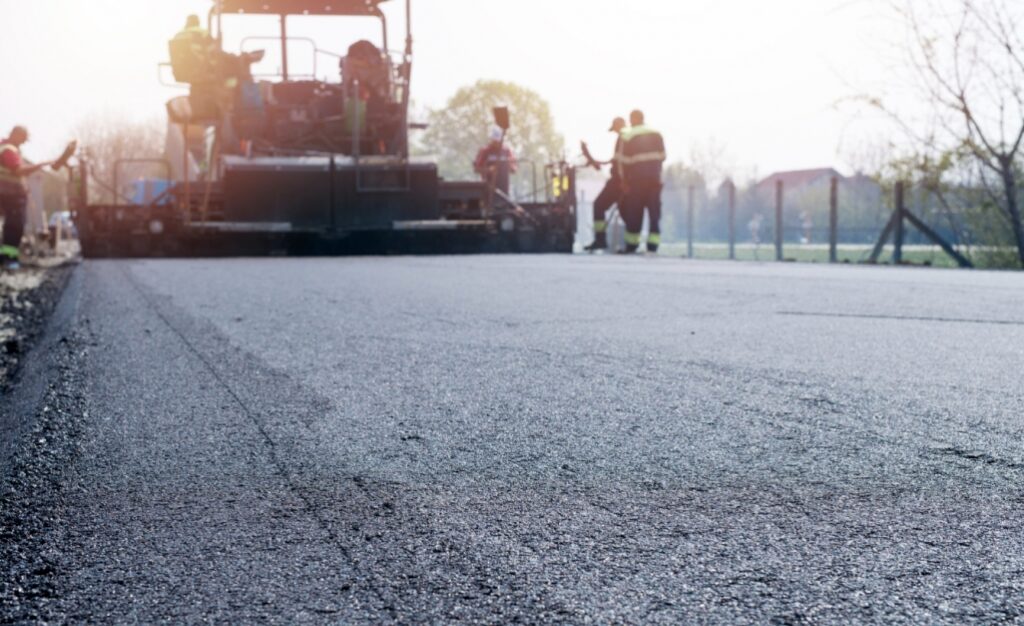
{"x": 611, "y": 194}
{"x": 642, "y": 194}
{"x": 13, "y": 207}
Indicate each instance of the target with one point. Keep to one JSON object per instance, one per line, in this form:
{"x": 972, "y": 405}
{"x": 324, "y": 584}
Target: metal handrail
{"x": 533, "y": 175}
{"x": 311, "y": 42}
{"x": 160, "y": 77}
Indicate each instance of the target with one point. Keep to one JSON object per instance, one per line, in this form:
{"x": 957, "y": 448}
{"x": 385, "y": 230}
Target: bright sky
{"x": 759, "y": 78}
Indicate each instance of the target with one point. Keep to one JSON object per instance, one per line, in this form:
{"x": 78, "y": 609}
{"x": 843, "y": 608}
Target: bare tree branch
{"x": 969, "y": 64}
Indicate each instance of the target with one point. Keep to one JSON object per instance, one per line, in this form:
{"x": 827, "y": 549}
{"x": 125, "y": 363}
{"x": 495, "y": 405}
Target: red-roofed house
{"x": 806, "y": 200}
{"x": 796, "y": 179}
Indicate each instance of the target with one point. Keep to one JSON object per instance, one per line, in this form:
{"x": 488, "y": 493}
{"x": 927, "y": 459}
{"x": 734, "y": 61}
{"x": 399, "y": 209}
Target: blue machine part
{"x": 147, "y": 189}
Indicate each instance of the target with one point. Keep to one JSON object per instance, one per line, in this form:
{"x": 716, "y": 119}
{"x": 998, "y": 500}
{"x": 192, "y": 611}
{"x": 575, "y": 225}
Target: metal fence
{"x": 767, "y": 229}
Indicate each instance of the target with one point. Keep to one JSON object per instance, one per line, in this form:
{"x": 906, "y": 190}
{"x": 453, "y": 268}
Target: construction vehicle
{"x": 297, "y": 164}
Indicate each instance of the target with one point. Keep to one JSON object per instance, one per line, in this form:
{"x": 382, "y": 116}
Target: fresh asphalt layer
{"x": 540, "y": 439}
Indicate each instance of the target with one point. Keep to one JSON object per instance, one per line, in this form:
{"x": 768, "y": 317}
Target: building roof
{"x": 799, "y": 178}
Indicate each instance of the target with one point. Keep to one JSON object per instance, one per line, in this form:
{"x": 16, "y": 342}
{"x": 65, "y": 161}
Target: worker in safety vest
{"x": 14, "y": 193}
{"x": 194, "y": 53}
{"x": 610, "y": 194}
{"x": 214, "y": 75}
{"x": 641, "y": 155}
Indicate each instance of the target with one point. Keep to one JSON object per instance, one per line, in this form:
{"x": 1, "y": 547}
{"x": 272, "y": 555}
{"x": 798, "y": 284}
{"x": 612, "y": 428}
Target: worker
{"x": 365, "y": 78}
{"x": 14, "y": 193}
{"x": 193, "y": 53}
{"x": 610, "y": 194}
{"x": 365, "y": 64}
{"x": 490, "y": 158}
{"x": 640, "y": 160}
{"x": 215, "y": 75}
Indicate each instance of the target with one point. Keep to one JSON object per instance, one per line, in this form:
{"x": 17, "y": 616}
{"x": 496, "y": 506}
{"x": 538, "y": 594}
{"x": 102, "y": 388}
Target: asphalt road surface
{"x": 537, "y": 439}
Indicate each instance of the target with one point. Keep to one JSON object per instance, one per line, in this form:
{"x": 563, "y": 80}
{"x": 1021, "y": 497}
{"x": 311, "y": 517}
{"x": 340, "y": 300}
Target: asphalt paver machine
{"x": 297, "y": 164}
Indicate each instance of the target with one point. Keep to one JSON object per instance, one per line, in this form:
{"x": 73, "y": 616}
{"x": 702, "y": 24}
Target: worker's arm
{"x": 591, "y": 161}
{"x": 480, "y": 161}
{"x": 28, "y": 170}
{"x": 620, "y": 155}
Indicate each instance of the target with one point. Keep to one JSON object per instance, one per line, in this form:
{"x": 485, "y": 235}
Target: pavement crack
{"x": 978, "y": 456}
{"x": 907, "y": 318}
{"x": 388, "y": 604}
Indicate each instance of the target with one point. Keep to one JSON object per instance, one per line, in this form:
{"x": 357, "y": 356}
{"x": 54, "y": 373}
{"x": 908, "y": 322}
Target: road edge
{"x": 27, "y": 387}
{"x": 43, "y": 413}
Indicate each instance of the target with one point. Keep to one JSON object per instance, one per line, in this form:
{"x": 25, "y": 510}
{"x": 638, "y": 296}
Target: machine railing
{"x": 160, "y": 76}
{"x": 291, "y": 75}
{"x": 150, "y": 161}
{"x": 357, "y": 139}
{"x": 534, "y": 188}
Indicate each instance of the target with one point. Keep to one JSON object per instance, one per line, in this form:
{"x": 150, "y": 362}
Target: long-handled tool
{"x": 62, "y": 160}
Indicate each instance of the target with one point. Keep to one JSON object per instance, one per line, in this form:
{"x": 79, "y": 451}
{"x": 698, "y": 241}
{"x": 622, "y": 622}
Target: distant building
{"x": 806, "y": 203}
{"x": 798, "y": 180}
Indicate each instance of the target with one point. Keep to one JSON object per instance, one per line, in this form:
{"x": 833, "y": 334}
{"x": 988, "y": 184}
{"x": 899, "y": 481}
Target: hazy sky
{"x": 759, "y": 78}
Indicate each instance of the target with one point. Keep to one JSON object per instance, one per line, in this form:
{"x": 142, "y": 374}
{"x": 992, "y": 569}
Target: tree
{"x": 107, "y": 139}
{"x": 708, "y": 163}
{"x": 967, "y": 57}
{"x": 458, "y": 130}
{"x": 677, "y": 179}
{"x": 951, "y": 187}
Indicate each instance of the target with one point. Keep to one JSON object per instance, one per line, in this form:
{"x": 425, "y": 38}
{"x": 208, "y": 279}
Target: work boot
{"x": 652, "y": 248}
{"x": 600, "y": 243}
{"x": 631, "y": 248}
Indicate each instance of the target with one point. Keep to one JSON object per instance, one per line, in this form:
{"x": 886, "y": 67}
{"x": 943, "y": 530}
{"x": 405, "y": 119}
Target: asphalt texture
{"x": 547, "y": 439}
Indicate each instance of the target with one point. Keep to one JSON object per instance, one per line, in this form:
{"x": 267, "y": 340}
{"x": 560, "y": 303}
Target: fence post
{"x": 897, "y": 250}
{"x": 833, "y": 221}
{"x": 689, "y": 224}
{"x": 778, "y": 220}
{"x": 732, "y": 221}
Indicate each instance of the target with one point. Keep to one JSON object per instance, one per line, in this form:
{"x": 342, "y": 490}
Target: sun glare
{"x": 760, "y": 79}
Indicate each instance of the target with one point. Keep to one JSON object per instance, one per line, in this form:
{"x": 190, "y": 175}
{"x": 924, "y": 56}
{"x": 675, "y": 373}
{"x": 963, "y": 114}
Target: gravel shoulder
{"x": 39, "y": 415}
{"x": 27, "y": 299}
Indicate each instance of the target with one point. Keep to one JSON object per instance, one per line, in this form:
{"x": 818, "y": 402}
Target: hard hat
{"x": 497, "y": 134}
{"x": 617, "y": 125}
